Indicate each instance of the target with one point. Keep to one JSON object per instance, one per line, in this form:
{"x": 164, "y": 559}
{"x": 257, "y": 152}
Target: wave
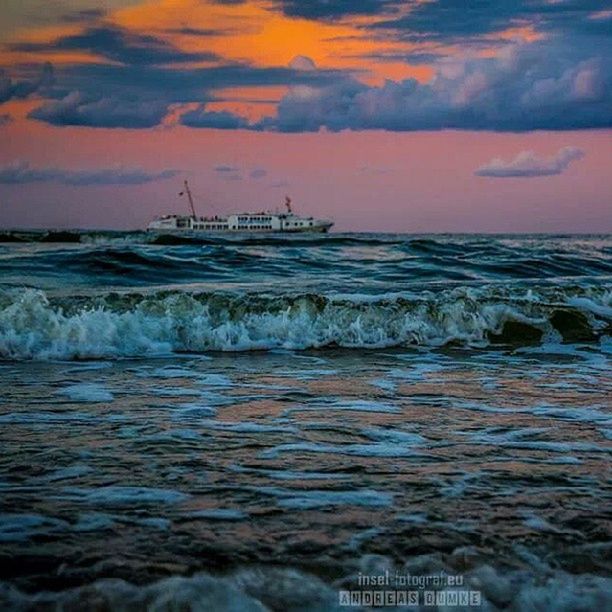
{"x": 527, "y": 583}
{"x": 194, "y": 238}
{"x": 34, "y": 325}
{"x": 345, "y": 258}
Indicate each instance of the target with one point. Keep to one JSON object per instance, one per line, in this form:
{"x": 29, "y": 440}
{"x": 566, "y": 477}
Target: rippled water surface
{"x": 259, "y": 420}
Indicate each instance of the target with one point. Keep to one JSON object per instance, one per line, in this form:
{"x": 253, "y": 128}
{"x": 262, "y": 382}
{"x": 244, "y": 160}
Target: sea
{"x": 305, "y": 422}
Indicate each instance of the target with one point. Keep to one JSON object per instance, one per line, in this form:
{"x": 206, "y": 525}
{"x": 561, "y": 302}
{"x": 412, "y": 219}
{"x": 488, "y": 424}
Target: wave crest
{"x": 36, "y": 326}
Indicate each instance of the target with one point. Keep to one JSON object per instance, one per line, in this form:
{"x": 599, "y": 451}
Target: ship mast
{"x": 188, "y": 192}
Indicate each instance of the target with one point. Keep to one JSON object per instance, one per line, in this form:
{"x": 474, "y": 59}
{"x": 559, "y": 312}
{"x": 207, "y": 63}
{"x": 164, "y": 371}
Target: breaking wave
{"x": 38, "y": 326}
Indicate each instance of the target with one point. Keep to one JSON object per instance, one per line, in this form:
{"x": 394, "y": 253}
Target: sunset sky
{"x": 414, "y": 116}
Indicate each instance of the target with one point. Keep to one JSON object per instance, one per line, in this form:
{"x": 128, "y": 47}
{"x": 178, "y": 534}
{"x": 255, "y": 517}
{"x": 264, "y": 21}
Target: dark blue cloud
{"x": 258, "y": 173}
{"x": 81, "y": 109}
{"x": 414, "y": 58}
{"x": 203, "y": 32}
{"x": 42, "y": 79}
{"x": 220, "y": 120}
{"x": 452, "y": 21}
{"x": 334, "y": 9}
{"x": 527, "y": 87}
{"x": 561, "y": 82}
{"x": 178, "y": 84}
{"x": 108, "y": 95}
{"x": 21, "y": 172}
{"x": 83, "y": 16}
{"x": 234, "y": 173}
{"x": 119, "y": 45}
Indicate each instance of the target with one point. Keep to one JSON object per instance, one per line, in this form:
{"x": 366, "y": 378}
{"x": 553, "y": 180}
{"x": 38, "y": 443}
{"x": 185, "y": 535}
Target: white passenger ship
{"x": 264, "y": 221}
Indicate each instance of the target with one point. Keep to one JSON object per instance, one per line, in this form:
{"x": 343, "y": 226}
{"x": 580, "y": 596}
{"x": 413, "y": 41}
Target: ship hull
{"x": 320, "y": 227}
{"x": 309, "y": 230}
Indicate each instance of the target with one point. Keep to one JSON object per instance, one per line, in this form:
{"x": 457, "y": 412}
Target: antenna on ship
{"x": 188, "y": 192}
{"x": 288, "y": 204}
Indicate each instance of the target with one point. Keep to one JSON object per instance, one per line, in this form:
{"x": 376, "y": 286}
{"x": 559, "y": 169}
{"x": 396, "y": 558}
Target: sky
{"x": 414, "y": 116}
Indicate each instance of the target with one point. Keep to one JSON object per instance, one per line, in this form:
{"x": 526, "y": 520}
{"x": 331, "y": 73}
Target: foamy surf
{"x": 38, "y": 326}
{"x": 535, "y": 586}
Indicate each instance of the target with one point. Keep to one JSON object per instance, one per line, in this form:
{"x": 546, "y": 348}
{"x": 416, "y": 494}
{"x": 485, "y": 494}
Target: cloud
{"x": 229, "y": 173}
{"x": 5, "y": 119}
{"x": 414, "y": 57}
{"x": 119, "y": 45}
{"x": 528, "y": 164}
{"x": 81, "y": 109}
{"x": 138, "y": 96}
{"x": 220, "y": 120}
{"x": 302, "y": 70}
{"x": 561, "y": 82}
{"x": 21, "y": 172}
{"x": 83, "y": 15}
{"x": 234, "y": 173}
{"x": 203, "y": 32}
{"x": 30, "y": 84}
{"x": 451, "y": 21}
{"x": 302, "y": 62}
{"x": 333, "y": 9}
{"x": 525, "y": 87}
{"x": 258, "y": 173}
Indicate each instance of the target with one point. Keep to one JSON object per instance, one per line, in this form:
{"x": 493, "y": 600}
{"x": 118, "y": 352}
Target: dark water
{"x": 256, "y": 422}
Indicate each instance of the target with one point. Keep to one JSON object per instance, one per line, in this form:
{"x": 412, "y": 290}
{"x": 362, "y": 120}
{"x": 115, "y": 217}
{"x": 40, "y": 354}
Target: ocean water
{"x": 260, "y": 422}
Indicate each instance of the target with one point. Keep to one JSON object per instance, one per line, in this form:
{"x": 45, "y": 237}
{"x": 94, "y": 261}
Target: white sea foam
{"x": 218, "y": 514}
{"x": 192, "y": 410}
{"x": 19, "y": 527}
{"x": 306, "y": 500}
{"x": 94, "y": 521}
{"x": 87, "y": 392}
{"x": 174, "y": 392}
{"x": 346, "y": 405}
{"x": 34, "y": 327}
{"x": 67, "y": 473}
{"x": 123, "y": 495}
{"x": 246, "y": 427}
{"x": 35, "y": 418}
{"x": 291, "y": 474}
{"x": 396, "y": 436}
{"x": 379, "y": 449}
{"x": 533, "y": 586}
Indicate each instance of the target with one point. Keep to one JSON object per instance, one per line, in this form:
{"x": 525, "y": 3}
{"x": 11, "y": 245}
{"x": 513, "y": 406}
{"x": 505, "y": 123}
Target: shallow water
{"x": 394, "y": 417}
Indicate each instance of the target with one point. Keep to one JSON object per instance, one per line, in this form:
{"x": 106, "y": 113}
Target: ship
{"x": 246, "y": 222}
